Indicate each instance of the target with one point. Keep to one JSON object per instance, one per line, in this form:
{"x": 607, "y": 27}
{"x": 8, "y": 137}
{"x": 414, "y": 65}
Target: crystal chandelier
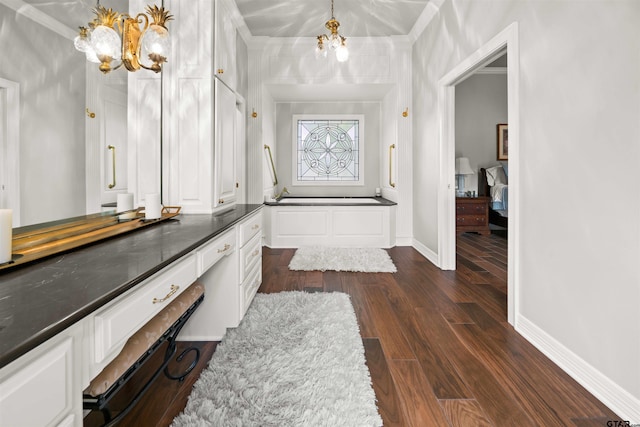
{"x": 102, "y": 44}
{"x": 334, "y": 40}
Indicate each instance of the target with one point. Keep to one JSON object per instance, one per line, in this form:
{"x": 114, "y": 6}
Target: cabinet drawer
{"x": 471, "y": 208}
{"x": 117, "y": 323}
{"x": 250, "y": 254}
{"x": 468, "y": 220}
{"x": 250, "y": 228}
{"x": 213, "y": 251}
{"x": 249, "y": 288}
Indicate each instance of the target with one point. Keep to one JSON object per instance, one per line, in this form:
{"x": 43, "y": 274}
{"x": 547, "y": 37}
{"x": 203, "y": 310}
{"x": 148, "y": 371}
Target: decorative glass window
{"x": 329, "y": 150}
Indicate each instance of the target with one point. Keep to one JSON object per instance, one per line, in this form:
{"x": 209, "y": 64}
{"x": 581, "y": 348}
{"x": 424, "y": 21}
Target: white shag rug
{"x": 296, "y": 359}
{"x": 367, "y": 260}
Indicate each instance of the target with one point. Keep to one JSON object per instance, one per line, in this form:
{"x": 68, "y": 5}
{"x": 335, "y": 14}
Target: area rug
{"x": 368, "y": 260}
{"x": 296, "y": 359}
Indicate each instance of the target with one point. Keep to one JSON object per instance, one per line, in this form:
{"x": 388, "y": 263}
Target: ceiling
{"x": 306, "y": 18}
{"x": 279, "y": 18}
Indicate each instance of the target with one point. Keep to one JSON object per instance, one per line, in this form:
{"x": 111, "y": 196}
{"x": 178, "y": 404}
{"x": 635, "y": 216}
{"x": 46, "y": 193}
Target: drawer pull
{"x": 173, "y": 290}
{"x": 226, "y": 248}
{"x": 255, "y": 227}
{"x": 255, "y": 253}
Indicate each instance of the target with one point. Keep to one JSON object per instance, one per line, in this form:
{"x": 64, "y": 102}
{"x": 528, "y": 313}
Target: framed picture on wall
{"x": 503, "y": 141}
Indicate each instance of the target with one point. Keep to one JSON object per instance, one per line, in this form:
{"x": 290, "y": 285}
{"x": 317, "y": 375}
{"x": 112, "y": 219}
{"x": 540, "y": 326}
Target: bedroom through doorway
{"x": 501, "y": 54}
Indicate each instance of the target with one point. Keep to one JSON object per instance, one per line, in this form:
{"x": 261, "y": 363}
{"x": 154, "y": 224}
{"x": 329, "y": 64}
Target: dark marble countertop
{"x": 323, "y": 201}
{"x": 42, "y": 299}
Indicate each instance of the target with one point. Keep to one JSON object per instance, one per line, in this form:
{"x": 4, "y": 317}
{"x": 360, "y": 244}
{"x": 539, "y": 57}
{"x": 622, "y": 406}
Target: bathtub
{"x": 293, "y": 222}
{"x": 328, "y": 201}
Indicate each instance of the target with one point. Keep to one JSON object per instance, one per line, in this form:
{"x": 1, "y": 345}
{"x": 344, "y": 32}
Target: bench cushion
{"x": 143, "y": 339}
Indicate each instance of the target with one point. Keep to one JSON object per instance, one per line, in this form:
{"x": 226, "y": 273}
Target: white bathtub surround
{"x": 6, "y": 234}
{"x": 333, "y": 222}
{"x": 366, "y": 260}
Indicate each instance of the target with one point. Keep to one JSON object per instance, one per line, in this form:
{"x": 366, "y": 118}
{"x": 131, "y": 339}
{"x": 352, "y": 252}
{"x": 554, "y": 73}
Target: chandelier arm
{"x": 146, "y": 21}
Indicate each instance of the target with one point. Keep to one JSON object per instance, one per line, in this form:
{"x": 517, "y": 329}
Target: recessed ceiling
{"x": 306, "y": 18}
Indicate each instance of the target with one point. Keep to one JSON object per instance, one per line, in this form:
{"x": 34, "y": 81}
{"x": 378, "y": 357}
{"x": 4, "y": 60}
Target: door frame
{"x": 506, "y": 41}
{"x": 12, "y": 165}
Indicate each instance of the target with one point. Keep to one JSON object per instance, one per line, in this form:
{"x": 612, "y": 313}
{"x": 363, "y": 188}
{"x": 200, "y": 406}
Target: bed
{"x": 493, "y": 182}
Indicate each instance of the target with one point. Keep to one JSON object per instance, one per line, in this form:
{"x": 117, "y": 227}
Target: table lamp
{"x": 463, "y": 167}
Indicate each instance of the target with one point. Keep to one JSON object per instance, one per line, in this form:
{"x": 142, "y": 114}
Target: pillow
{"x": 505, "y": 167}
{"x": 495, "y": 175}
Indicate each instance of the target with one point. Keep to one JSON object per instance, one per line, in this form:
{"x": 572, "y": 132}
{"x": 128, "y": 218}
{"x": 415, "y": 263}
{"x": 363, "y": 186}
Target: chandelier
{"x": 334, "y": 40}
{"x": 130, "y": 44}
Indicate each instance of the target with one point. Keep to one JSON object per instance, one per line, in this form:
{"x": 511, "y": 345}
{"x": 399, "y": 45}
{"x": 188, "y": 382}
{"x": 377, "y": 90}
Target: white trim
{"x": 505, "y": 40}
{"x": 602, "y": 387}
{"x": 40, "y": 17}
{"x": 425, "y": 251}
{"x": 492, "y": 70}
{"x": 12, "y": 171}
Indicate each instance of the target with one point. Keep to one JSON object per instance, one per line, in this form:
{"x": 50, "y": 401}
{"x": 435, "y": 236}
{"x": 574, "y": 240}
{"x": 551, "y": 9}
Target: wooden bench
{"x": 163, "y": 327}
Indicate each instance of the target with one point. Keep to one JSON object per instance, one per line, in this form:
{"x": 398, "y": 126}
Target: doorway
{"x": 505, "y": 42}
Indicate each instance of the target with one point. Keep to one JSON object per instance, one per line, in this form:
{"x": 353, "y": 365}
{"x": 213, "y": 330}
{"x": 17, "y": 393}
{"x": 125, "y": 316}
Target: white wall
{"x": 481, "y": 103}
{"x": 579, "y": 231}
{"x": 52, "y": 100}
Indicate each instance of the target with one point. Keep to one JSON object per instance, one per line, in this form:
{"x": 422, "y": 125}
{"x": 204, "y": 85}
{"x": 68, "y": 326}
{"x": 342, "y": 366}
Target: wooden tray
{"x": 42, "y": 242}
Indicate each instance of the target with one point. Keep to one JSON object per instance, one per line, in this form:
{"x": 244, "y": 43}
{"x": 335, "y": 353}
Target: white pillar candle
{"x": 125, "y": 202}
{"x": 378, "y": 192}
{"x": 152, "y": 207}
{"x": 6, "y": 234}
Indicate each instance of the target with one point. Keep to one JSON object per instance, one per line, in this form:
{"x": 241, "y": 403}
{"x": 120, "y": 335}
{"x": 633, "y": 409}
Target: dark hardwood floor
{"x": 437, "y": 344}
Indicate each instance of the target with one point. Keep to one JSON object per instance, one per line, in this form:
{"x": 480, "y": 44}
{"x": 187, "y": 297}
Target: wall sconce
{"x": 101, "y": 43}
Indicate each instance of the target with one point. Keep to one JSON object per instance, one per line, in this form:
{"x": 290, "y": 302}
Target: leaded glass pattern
{"x": 328, "y": 150}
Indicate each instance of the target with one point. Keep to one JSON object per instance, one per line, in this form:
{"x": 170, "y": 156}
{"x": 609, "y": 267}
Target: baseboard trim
{"x": 426, "y": 252}
{"x": 608, "y": 392}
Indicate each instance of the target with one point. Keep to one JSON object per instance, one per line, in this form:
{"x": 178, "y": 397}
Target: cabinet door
{"x": 225, "y": 44}
{"x": 225, "y": 146}
{"x": 42, "y": 388}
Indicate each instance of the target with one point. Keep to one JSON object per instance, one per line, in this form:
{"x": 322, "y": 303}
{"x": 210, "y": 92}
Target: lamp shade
{"x": 463, "y": 167}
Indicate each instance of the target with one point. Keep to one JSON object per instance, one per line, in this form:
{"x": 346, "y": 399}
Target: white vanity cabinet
{"x": 225, "y": 145}
{"x": 113, "y": 325}
{"x": 199, "y": 108}
{"x": 224, "y": 49}
{"x": 250, "y": 243}
{"x": 230, "y": 284}
{"x": 44, "y": 387}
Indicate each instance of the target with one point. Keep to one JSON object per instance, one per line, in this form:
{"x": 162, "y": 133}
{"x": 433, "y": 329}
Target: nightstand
{"x": 472, "y": 214}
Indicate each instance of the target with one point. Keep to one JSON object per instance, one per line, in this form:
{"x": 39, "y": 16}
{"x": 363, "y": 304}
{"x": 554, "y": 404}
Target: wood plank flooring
{"x": 437, "y": 344}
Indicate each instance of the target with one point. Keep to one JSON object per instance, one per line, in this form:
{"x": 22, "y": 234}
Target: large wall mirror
{"x": 65, "y": 153}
